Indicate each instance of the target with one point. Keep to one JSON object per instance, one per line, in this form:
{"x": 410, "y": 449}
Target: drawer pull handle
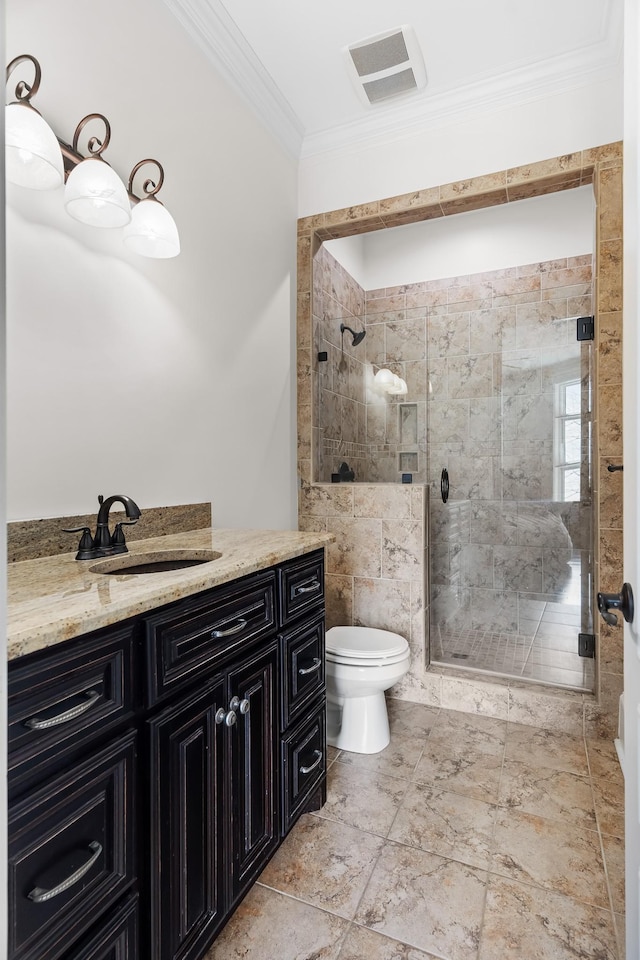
{"x": 312, "y": 766}
{"x": 317, "y": 663}
{"x": 38, "y": 895}
{"x": 236, "y": 628}
{"x": 35, "y": 724}
{"x": 310, "y": 587}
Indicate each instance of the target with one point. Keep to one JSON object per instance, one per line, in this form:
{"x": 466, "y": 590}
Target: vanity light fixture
{"x": 152, "y": 231}
{"x": 94, "y": 193}
{"x": 32, "y": 154}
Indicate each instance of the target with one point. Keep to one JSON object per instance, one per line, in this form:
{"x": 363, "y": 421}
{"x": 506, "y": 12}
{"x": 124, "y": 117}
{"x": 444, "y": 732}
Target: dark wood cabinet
{"x": 255, "y": 830}
{"x": 155, "y": 767}
{"x": 187, "y": 900}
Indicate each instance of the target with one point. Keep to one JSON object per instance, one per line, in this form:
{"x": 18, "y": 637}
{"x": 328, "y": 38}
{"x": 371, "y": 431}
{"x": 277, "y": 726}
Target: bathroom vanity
{"x": 157, "y": 761}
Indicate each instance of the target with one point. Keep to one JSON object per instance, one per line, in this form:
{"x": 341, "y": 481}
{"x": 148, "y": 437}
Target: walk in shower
{"x": 497, "y": 421}
{"x": 510, "y": 466}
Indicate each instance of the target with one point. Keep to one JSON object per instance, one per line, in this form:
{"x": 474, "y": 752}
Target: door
{"x": 187, "y": 869}
{"x": 631, "y": 424}
{"x": 255, "y": 829}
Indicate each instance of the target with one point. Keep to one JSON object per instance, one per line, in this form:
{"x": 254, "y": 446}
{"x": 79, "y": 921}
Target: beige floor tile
{"x": 546, "y": 748}
{"x": 462, "y": 731}
{"x": 324, "y": 863}
{"x": 549, "y": 793}
{"x": 619, "y": 923}
{"x": 603, "y": 760}
{"x": 525, "y": 923}
{"x": 609, "y": 804}
{"x": 362, "y": 798}
{"x": 550, "y": 854}
{"x": 614, "y": 862}
{"x": 410, "y": 720}
{"x": 468, "y": 772}
{"x": 449, "y": 824}
{"x": 361, "y": 943}
{"x": 426, "y": 901}
{"x": 255, "y": 932}
{"x": 399, "y": 759}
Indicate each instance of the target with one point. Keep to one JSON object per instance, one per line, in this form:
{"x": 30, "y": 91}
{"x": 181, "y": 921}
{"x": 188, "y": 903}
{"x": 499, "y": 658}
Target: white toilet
{"x": 361, "y": 663}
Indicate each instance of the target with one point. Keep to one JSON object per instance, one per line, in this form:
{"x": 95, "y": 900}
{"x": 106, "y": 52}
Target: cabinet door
{"x": 253, "y": 765}
{"x": 187, "y": 901}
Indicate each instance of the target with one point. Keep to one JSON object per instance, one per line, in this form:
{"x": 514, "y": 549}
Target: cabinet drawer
{"x": 116, "y": 938}
{"x": 71, "y": 853}
{"x": 301, "y": 586}
{"x": 304, "y": 764}
{"x": 60, "y": 701}
{"x": 302, "y": 668}
{"x": 191, "y": 639}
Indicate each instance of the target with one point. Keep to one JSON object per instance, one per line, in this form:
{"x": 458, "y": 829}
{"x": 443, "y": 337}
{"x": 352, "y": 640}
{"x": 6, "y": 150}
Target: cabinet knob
{"x": 237, "y": 704}
{"x": 228, "y": 718}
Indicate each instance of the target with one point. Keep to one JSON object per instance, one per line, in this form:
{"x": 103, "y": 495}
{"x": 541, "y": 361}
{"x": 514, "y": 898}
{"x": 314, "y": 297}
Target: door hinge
{"x": 586, "y": 328}
{"x": 586, "y": 645}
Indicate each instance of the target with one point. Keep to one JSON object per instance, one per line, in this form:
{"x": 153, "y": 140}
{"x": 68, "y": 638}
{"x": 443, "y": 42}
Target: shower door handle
{"x": 444, "y": 484}
{"x": 622, "y": 601}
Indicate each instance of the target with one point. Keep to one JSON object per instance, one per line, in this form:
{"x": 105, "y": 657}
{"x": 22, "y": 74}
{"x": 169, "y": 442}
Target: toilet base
{"x": 364, "y": 726}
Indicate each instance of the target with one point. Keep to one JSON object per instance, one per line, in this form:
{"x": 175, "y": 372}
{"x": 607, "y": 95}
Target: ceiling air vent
{"x": 386, "y": 66}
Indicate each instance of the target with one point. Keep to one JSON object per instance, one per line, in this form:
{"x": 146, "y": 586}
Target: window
{"x": 567, "y": 441}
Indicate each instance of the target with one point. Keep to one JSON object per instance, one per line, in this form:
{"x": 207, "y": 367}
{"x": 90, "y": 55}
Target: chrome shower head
{"x": 357, "y": 337}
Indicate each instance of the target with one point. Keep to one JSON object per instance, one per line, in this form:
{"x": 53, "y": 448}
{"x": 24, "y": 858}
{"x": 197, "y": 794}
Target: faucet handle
{"x": 117, "y": 537}
{"x": 85, "y": 547}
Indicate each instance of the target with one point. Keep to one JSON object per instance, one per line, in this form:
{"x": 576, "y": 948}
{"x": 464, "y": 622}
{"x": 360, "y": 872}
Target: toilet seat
{"x": 364, "y": 646}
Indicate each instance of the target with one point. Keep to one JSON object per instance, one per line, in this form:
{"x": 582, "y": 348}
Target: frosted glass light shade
{"x": 152, "y": 231}
{"x": 384, "y": 379}
{"x": 96, "y": 195}
{"x": 32, "y": 153}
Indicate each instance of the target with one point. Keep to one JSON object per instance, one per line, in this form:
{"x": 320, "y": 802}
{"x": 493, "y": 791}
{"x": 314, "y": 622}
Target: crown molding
{"x": 210, "y": 26}
{"x": 550, "y": 77}
{"x": 217, "y": 34}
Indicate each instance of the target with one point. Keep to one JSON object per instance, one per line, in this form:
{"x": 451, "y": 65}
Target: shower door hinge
{"x": 586, "y": 645}
{"x": 586, "y": 328}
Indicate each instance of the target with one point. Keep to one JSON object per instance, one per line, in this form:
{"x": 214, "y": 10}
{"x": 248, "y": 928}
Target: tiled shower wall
{"x": 340, "y": 383}
{"x": 319, "y": 503}
{"x": 377, "y": 566}
{"x": 481, "y": 355}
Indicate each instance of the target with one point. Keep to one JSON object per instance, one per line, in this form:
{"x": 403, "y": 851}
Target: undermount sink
{"x": 158, "y": 561}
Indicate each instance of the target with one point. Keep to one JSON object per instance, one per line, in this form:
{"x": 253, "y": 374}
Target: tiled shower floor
{"x": 468, "y": 838}
{"x": 547, "y": 652}
{"x": 544, "y": 650}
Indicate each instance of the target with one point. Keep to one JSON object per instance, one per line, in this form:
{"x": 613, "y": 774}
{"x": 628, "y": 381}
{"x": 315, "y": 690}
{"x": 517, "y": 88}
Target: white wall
{"x": 541, "y": 228}
{"x": 167, "y": 380}
{"x": 464, "y": 145}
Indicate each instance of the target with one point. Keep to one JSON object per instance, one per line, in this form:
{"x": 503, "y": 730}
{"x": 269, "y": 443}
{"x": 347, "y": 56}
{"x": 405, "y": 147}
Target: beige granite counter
{"x": 55, "y": 598}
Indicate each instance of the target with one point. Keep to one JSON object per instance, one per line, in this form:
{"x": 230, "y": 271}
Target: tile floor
{"x": 468, "y": 838}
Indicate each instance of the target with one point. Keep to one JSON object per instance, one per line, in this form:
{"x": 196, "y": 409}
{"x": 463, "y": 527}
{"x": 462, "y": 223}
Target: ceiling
{"x": 286, "y": 58}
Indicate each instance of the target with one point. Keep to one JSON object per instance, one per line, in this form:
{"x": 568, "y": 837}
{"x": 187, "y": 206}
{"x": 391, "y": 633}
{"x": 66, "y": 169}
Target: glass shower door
{"x": 511, "y": 548}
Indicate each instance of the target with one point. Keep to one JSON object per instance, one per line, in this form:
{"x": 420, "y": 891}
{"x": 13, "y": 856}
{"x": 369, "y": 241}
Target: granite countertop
{"x": 55, "y": 598}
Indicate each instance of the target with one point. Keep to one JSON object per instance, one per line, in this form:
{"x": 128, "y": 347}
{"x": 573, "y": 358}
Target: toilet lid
{"x": 364, "y": 643}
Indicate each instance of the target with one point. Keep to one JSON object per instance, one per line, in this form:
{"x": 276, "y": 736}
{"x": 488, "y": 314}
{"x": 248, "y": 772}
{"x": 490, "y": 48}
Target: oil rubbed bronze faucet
{"x": 105, "y": 544}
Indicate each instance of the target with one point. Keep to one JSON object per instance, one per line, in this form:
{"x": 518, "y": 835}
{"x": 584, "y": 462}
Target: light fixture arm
{"x": 149, "y": 186}
{"x": 23, "y": 90}
{"x": 94, "y": 146}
